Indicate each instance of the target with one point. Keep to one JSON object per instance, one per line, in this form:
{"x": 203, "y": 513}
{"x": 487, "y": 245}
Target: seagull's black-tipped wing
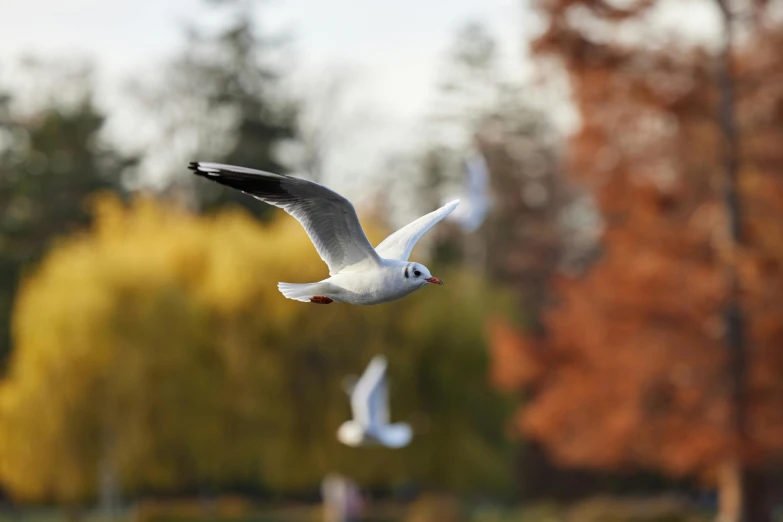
{"x": 328, "y": 218}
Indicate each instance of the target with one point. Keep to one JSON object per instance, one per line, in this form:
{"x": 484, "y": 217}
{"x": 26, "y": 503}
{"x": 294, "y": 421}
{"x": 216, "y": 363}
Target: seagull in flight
{"x": 359, "y": 274}
{"x": 370, "y": 405}
{"x": 476, "y": 191}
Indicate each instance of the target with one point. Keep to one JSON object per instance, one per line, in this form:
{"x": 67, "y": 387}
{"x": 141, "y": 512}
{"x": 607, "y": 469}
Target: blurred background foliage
{"x": 168, "y": 356}
{"x": 50, "y": 161}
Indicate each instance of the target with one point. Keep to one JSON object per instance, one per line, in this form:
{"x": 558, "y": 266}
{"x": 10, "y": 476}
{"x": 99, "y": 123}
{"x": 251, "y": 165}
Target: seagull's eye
{"x": 416, "y": 273}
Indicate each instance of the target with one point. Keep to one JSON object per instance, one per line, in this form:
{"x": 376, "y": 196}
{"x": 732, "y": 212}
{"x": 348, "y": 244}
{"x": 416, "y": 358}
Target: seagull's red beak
{"x": 434, "y": 281}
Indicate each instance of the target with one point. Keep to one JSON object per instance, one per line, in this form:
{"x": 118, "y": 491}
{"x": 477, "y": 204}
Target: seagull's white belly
{"x": 369, "y": 287}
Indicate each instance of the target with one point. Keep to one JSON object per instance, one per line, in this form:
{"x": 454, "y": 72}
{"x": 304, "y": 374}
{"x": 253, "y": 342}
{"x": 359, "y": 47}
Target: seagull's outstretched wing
{"x": 369, "y": 401}
{"x": 328, "y": 218}
{"x": 477, "y": 186}
{"x": 400, "y": 244}
{"x": 477, "y": 174}
{"x": 475, "y": 190}
{"x": 396, "y": 435}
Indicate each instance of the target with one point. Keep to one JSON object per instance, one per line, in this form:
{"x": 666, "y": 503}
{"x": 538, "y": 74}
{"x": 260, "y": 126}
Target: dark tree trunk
{"x": 740, "y": 490}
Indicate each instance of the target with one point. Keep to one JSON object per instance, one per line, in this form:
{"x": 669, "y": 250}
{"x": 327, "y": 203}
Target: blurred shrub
{"x": 435, "y": 508}
{"x": 656, "y": 509}
{"x": 598, "y": 509}
{"x": 157, "y": 346}
{"x": 232, "y": 508}
{"x": 534, "y": 513}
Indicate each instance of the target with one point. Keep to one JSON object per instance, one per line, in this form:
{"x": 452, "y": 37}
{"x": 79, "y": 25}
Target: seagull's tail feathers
{"x": 300, "y": 292}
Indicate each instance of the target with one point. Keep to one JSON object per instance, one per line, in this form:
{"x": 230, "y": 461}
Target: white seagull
{"x": 476, "y": 191}
{"x": 360, "y": 274}
{"x": 370, "y": 406}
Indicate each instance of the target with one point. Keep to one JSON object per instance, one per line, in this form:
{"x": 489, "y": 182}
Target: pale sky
{"x": 392, "y": 48}
{"x": 123, "y": 34}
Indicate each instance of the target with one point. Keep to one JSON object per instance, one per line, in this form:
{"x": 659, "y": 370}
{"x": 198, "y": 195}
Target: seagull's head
{"x": 417, "y": 275}
{"x": 351, "y": 433}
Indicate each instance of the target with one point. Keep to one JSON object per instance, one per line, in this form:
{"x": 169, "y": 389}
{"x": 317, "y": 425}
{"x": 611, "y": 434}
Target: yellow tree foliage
{"x": 158, "y": 344}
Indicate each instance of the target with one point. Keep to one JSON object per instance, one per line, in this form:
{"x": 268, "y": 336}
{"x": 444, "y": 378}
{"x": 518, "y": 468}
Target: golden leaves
{"x": 157, "y": 342}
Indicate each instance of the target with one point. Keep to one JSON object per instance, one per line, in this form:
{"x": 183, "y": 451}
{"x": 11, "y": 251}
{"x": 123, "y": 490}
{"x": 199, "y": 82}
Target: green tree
{"x": 169, "y": 353}
{"x": 50, "y": 162}
{"x": 222, "y": 100}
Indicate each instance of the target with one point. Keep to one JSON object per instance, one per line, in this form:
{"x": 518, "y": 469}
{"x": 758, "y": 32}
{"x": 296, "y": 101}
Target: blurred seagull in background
{"x": 476, "y": 193}
{"x": 370, "y": 406}
{"x": 360, "y": 274}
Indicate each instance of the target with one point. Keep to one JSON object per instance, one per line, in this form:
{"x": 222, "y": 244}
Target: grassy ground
{"x": 426, "y": 509}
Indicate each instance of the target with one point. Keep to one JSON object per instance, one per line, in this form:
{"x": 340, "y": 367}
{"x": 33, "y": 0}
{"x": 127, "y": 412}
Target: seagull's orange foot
{"x": 319, "y": 299}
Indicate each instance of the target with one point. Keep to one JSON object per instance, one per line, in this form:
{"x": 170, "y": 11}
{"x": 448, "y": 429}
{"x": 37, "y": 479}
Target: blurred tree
{"x": 469, "y": 90}
{"x": 329, "y": 122}
{"x": 51, "y": 159}
{"x": 535, "y": 226}
{"x": 633, "y": 370}
{"x": 471, "y": 81}
{"x": 8, "y": 268}
{"x": 318, "y": 124}
{"x": 169, "y": 352}
{"x": 222, "y": 100}
{"x": 539, "y": 223}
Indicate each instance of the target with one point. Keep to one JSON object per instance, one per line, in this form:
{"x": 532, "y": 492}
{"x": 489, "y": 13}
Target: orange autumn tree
{"x": 633, "y": 369}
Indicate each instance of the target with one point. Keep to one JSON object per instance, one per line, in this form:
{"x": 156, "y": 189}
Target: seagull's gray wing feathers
{"x": 370, "y": 401}
{"x": 400, "y": 244}
{"x": 328, "y": 218}
{"x": 477, "y": 174}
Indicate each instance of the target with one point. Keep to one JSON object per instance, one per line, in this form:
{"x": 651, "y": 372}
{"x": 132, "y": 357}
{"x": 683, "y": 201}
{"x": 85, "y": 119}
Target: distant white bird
{"x": 370, "y": 406}
{"x": 359, "y": 274}
{"x": 476, "y": 193}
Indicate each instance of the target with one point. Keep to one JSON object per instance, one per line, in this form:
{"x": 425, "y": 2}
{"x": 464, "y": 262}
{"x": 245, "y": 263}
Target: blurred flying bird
{"x": 370, "y": 407}
{"x": 476, "y": 193}
{"x": 359, "y": 274}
